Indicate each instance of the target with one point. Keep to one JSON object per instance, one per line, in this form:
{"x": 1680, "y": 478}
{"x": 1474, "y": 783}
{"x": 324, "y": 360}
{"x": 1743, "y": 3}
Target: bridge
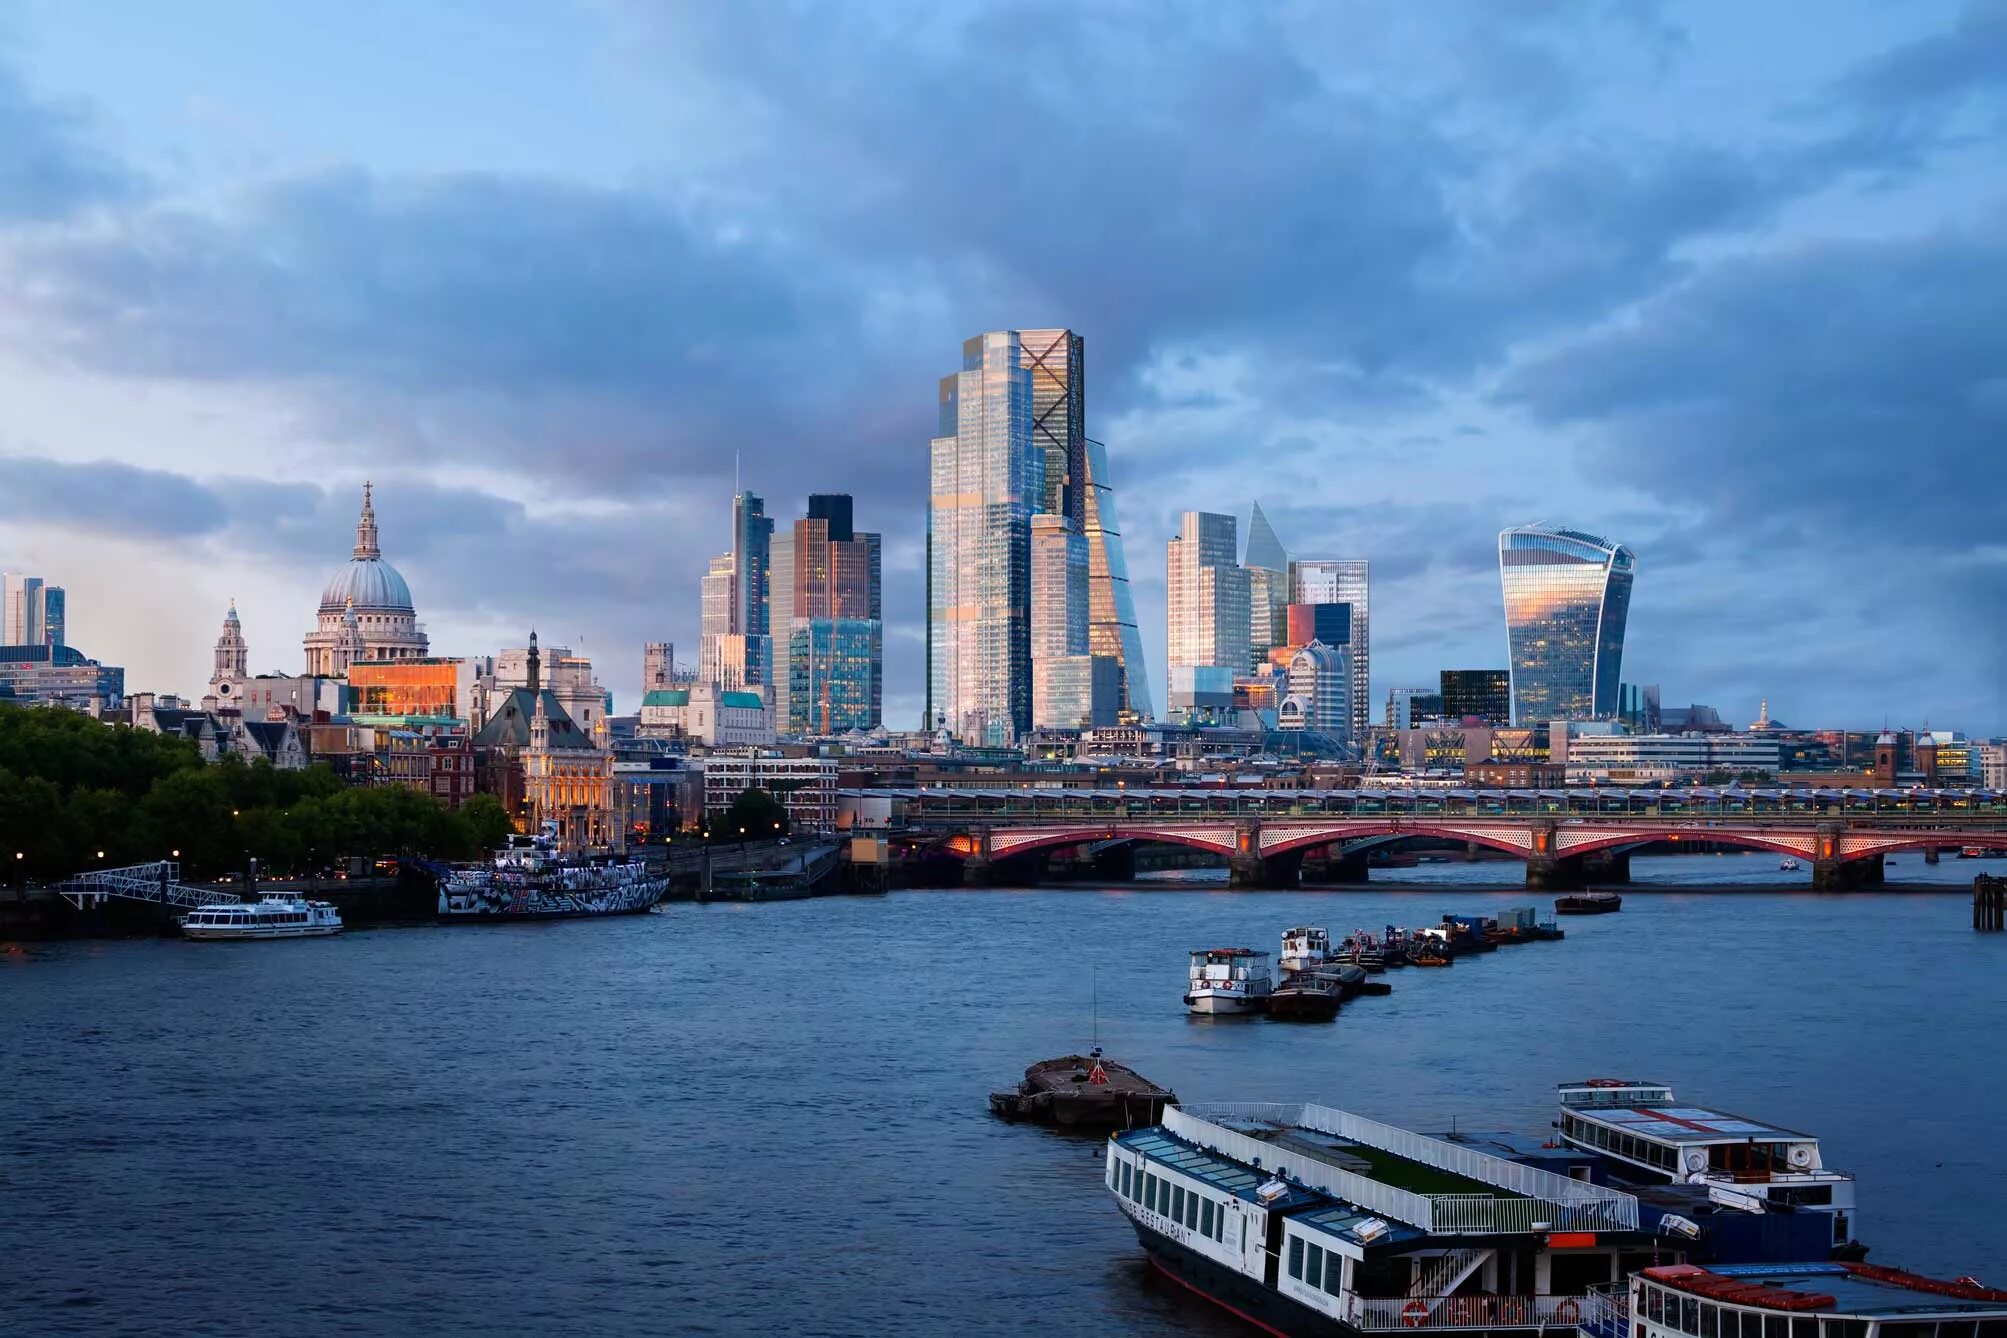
{"x": 1565, "y": 837}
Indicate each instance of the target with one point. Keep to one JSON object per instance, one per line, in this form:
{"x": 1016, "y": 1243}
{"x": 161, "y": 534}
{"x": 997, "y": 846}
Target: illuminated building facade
{"x": 1343, "y": 581}
{"x": 827, "y": 626}
{"x": 431, "y": 691}
{"x": 1567, "y": 595}
{"x": 1111, "y": 609}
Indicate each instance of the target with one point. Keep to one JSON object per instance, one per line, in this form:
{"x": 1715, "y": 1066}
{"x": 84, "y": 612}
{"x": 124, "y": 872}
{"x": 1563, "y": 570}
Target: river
{"x": 734, "y": 1119}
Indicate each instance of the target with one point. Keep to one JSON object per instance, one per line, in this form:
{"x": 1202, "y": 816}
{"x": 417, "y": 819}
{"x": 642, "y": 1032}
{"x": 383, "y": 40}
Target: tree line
{"x": 78, "y": 794}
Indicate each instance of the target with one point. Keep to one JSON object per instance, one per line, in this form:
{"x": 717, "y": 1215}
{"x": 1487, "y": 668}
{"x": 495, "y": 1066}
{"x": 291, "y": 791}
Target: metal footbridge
{"x": 158, "y": 882}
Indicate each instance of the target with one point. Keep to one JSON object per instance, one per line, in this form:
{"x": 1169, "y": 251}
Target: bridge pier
{"x": 1544, "y": 873}
{"x": 1834, "y": 875}
{"x": 1246, "y": 870}
{"x": 1607, "y": 866}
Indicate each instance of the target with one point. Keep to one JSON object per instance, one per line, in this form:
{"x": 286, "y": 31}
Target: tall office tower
{"x": 987, "y": 479}
{"x": 658, "y": 666}
{"x": 1111, "y": 611}
{"x": 752, "y": 536}
{"x": 20, "y": 610}
{"x": 1055, "y": 359}
{"x": 1267, "y": 589}
{"x": 1567, "y": 595}
{"x": 1343, "y": 581}
{"x": 1059, "y": 632}
{"x": 1408, "y": 707}
{"x": 827, "y": 623}
{"x": 1207, "y": 607}
{"x": 55, "y": 616}
{"x": 1481, "y": 694}
{"x": 714, "y": 618}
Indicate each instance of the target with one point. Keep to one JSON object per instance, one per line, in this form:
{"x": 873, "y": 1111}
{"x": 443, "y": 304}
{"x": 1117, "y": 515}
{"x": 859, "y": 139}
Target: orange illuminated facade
{"x": 429, "y": 690}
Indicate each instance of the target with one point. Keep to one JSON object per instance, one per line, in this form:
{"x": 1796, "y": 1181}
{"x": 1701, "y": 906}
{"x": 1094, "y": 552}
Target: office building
{"x": 1409, "y": 707}
{"x": 733, "y": 646}
{"x": 58, "y": 675}
{"x": 1064, "y": 680}
{"x": 1567, "y": 595}
{"x": 365, "y": 611}
{"x": 567, "y": 677}
{"x": 1206, "y": 596}
{"x": 26, "y": 606}
{"x": 1669, "y": 757}
{"x": 1484, "y": 695}
{"x": 986, "y": 481}
{"x": 1329, "y": 623}
{"x": 1111, "y": 610}
{"x": 1638, "y": 709}
{"x": 1267, "y": 589}
{"x": 434, "y": 691}
{"x": 1343, "y": 581}
{"x": 827, "y": 623}
{"x": 1319, "y": 692}
{"x": 805, "y": 786}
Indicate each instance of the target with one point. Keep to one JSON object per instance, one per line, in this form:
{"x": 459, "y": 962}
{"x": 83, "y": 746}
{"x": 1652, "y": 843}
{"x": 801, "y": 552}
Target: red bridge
{"x": 1565, "y": 837}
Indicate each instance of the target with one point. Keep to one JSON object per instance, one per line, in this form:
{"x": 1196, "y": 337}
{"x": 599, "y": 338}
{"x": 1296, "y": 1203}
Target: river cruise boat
{"x": 1228, "y": 980}
{"x": 1303, "y": 948}
{"x": 273, "y": 915}
{"x": 1644, "y": 1134}
{"x": 530, "y": 879}
{"x": 1826, "y": 1300}
{"x": 1303, "y": 1219}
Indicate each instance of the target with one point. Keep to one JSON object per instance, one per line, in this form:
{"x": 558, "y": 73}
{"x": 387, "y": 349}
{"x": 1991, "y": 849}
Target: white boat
{"x": 1303, "y": 949}
{"x": 1228, "y": 980}
{"x": 1788, "y": 865}
{"x": 273, "y": 915}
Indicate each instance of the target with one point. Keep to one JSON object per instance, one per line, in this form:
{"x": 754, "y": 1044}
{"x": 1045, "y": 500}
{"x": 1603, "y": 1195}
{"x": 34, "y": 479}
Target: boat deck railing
{"x": 1383, "y": 1314}
{"x": 1542, "y": 1201}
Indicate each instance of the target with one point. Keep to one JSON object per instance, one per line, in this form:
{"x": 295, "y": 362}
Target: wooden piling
{"x": 1989, "y": 903}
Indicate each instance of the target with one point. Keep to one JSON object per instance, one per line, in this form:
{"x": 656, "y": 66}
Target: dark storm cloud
{"x": 51, "y": 163}
{"x": 108, "y": 496}
{"x": 1942, "y": 68}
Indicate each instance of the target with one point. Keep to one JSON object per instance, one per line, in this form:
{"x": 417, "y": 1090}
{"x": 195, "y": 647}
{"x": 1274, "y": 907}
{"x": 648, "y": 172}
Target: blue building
{"x": 1567, "y": 595}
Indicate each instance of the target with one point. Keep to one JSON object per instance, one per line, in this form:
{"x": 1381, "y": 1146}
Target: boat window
{"x": 1708, "y": 1325}
{"x": 1206, "y": 1219}
{"x": 1296, "y": 1256}
{"x": 1177, "y": 1203}
{"x": 1779, "y": 1326}
{"x": 1954, "y": 1328}
{"x": 1993, "y": 1328}
{"x": 1807, "y": 1326}
{"x": 1150, "y": 1192}
{"x": 1845, "y": 1328}
{"x": 1192, "y": 1211}
{"x": 1313, "y": 1272}
{"x": 1689, "y": 1314}
{"x": 1125, "y": 1178}
{"x": 1904, "y": 1330}
{"x": 1333, "y": 1273}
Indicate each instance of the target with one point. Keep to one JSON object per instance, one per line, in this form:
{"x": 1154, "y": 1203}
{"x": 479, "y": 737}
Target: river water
{"x": 771, "y": 1119}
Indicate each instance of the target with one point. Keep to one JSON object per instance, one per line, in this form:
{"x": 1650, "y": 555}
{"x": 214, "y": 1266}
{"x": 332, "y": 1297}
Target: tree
{"x": 754, "y": 815}
{"x": 487, "y": 824}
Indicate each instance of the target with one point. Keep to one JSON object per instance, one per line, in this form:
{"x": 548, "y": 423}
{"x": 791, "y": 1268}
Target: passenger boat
{"x": 1083, "y": 1091}
{"x": 1644, "y": 1135}
{"x": 1788, "y": 865}
{"x": 1228, "y": 980}
{"x": 1844, "y": 1300}
{"x": 273, "y": 915}
{"x": 1588, "y": 903}
{"x": 1307, "y": 1220}
{"x": 1304, "y": 948}
{"x": 529, "y": 879}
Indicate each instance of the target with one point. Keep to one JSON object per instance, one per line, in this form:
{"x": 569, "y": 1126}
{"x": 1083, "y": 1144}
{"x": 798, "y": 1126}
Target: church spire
{"x": 365, "y": 528}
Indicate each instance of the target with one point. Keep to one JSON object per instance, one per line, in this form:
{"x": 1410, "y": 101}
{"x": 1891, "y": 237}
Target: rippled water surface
{"x": 731, "y": 1119}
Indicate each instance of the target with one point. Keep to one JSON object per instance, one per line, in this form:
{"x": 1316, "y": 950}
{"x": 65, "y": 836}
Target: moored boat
{"x": 1084, "y": 1091}
{"x": 529, "y": 879}
{"x": 1307, "y": 996}
{"x": 1588, "y": 903}
{"x": 1228, "y": 981}
{"x": 274, "y": 915}
{"x": 1848, "y": 1300}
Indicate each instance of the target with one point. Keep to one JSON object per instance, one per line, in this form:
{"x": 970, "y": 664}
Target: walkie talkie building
{"x": 1566, "y": 597}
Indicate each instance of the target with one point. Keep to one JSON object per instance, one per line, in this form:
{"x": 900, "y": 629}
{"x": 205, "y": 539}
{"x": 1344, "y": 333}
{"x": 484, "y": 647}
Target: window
{"x": 1125, "y": 1178}
{"x": 1206, "y": 1219}
{"x": 1807, "y": 1326}
{"x": 1296, "y": 1256}
{"x": 1779, "y": 1326}
{"x": 1689, "y": 1314}
{"x": 1150, "y": 1192}
{"x": 1708, "y": 1327}
{"x": 1334, "y": 1272}
{"x": 1177, "y": 1203}
{"x": 1313, "y": 1273}
{"x": 1192, "y": 1211}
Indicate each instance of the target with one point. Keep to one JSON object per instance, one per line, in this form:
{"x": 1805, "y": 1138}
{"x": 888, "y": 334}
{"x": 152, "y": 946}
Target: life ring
{"x": 1568, "y": 1312}
{"x": 1414, "y": 1314}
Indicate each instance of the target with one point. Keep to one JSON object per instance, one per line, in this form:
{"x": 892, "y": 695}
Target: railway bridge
{"x": 1566, "y": 838}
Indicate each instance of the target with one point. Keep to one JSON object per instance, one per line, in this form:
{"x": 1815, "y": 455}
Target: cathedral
{"x": 365, "y": 611}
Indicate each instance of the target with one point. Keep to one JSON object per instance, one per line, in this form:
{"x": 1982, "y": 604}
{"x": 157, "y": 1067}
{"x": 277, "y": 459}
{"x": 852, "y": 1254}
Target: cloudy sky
{"x": 1726, "y": 282}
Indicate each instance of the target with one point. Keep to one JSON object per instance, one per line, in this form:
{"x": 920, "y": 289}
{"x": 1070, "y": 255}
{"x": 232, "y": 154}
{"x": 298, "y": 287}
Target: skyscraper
{"x": 1483, "y": 694}
{"x": 827, "y": 624}
{"x": 1267, "y": 589}
{"x": 734, "y": 649}
{"x": 987, "y": 479}
{"x": 1207, "y": 603}
{"x": 1111, "y": 611}
{"x": 1064, "y": 684}
{"x": 55, "y": 615}
{"x": 20, "y": 610}
{"x": 1056, "y": 362}
{"x": 1567, "y": 595}
{"x": 1343, "y": 581}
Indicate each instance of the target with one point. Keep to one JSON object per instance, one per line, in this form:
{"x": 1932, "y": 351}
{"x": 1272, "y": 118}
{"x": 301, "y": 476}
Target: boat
{"x": 1304, "y": 948}
{"x": 1424, "y": 952}
{"x": 1228, "y": 980}
{"x": 1307, "y": 996}
{"x": 530, "y": 879}
{"x": 274, "y": 915}
{"x": 1852, "y": 1298}
{"x": 1084, "y": 1091}
{"x": 1304, "y": 1219}
{"x": 1644, "y": 1135}
{"x": 1588, "y": 903}
{"x": 1788, "y": 865}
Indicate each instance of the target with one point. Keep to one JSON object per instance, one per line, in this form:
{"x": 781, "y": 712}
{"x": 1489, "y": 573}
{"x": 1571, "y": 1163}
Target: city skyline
{"x": 1585, "y": 327}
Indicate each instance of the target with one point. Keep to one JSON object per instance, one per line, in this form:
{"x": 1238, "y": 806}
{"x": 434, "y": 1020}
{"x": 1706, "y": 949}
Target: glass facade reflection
{"x": 987, "y": 478}
{"x": 1343, "y": 581}
{"x": 833, "y": 675}
{"x": 1567, "y": 595}
{"x": 431, "y": 691}
{"x": 1111, "y": 612}
{"x": 823, "y": 606}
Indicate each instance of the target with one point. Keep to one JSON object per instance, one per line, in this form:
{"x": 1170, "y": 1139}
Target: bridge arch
{"x": 966, "y": 846}
{"x": 1383, "y": 832}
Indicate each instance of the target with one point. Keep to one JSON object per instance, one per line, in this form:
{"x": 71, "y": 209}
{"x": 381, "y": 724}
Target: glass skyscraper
{"x": 828, "y": 635}
{"x": 1343, "y": 581}
{"x": 987, "y": 479}
{"x": 1567, "y": 595}
{"x": 1111, "y": 611}
{"x": 1206, "y": 592}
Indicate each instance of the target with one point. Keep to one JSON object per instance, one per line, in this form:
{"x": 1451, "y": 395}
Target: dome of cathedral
{"x": 367, "y": 582}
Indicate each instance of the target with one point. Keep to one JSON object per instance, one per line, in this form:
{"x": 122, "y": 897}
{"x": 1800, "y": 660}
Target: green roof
{"x": 666, "y": 697}
{"x": 752, "y": 700}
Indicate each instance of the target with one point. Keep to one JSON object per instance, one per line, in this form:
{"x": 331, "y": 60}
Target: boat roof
{"x": 1865, "y": 1290}
{"x": 1227, "y": 952}
{"x": 1683, "y": 1125}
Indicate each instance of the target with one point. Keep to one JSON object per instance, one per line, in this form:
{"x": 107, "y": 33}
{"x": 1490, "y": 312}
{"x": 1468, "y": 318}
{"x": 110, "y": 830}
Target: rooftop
{"x": 1688, "y": 1124}
{"x": 1865, "y": 1290}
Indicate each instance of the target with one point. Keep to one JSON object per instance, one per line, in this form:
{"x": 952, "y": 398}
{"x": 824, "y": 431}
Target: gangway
{"x": 158, "y": 882}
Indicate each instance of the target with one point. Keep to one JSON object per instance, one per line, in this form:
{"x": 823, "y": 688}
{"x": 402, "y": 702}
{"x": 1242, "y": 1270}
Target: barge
{"x": 1588, "y": 903}
{"x": 1084, "y": 1091}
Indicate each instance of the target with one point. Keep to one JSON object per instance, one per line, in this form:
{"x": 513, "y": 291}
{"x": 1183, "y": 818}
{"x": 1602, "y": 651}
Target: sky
{"x": 1726, "y": 283}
